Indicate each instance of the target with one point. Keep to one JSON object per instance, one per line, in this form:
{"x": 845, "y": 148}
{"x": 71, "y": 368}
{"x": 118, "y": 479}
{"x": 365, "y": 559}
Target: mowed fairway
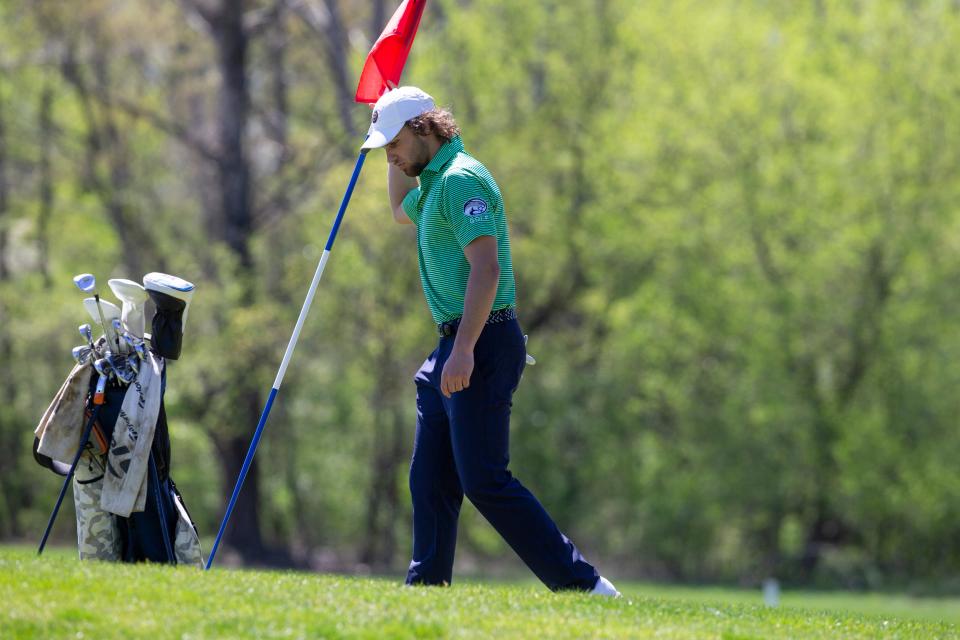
{"x": 58, "y": 597}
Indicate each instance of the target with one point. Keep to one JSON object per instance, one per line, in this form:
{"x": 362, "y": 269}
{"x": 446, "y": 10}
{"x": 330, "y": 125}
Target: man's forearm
{"x": 398, "y": 186}
{"x": 477, "y": 303}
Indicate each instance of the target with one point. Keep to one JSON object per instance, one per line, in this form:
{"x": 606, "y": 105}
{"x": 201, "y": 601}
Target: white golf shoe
{"x": 605, "y": 588}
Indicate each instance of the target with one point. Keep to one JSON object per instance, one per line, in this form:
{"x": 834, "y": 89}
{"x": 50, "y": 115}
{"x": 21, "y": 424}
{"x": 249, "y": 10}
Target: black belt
{"x": 449, "y": 328}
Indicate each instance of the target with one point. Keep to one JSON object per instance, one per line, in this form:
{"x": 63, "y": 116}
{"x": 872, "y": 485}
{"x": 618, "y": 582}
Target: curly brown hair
{"x": 438, "y": 121}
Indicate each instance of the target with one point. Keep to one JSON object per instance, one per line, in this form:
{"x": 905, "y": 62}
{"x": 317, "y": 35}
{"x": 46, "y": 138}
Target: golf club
{"x": 103, "y": 367}
{"x": 99, "y": 395}
{"x": 127, "y": 336}
{"x": 120, "y": 365}
{"x": 87, "y": 333}
{"x": 133, "y": 361}
{"x": 83, "y": 354}
{"x": 136, "y": 345}
{"x": 87, "y": 283}
{"x": 129, "y": 346}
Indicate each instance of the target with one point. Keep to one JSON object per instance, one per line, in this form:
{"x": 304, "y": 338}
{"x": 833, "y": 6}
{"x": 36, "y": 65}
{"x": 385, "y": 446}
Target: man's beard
{"x": 416, "y": 167}
{"x": 414, "y": 170}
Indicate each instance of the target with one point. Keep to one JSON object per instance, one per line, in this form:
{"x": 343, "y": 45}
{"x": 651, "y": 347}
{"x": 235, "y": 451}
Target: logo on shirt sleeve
{"x": 475, "y": 207}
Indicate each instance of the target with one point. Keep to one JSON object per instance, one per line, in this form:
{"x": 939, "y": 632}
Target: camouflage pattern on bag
{"x": 186, "y": 542}
{"x": 98, "y": 535}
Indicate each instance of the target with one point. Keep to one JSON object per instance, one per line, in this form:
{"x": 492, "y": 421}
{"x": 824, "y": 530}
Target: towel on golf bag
{"x": 61, "y": 425}
{"x": 125, "y": 482}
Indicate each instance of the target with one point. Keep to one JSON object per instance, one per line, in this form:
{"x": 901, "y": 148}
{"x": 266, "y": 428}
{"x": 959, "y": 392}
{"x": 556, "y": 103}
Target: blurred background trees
{"x": 734, "y": 228}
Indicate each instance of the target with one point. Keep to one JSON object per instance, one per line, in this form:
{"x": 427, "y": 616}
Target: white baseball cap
{"x": 392, "y": 110}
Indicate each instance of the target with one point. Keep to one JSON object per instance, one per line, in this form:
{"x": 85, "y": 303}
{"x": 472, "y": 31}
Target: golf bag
{"x": 128, "y": 507}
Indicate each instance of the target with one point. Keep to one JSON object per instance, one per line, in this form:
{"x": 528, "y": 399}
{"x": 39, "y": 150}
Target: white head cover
{"x": 132, "y": 295}
{"x": 172, "y": 286}
{"x": 392, "y": 110}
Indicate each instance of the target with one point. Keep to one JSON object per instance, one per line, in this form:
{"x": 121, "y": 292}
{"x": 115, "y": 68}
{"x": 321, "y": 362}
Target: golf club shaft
{"x": 107, "y": 329}
{"x": 291, "y": 345}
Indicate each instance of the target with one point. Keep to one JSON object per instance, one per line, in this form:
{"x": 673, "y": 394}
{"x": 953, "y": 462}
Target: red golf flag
{"x": 389, "y": 53}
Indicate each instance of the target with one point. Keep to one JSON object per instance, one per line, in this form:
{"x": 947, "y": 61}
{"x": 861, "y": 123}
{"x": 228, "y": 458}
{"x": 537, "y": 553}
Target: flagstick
{"x": 403, "y": 25}
{"x": 304, "y": 310}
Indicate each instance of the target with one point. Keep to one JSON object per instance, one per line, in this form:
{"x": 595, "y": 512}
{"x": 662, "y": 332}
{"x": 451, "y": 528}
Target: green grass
{"x": 899, "y": 606}
{"x": 58, "y": 597}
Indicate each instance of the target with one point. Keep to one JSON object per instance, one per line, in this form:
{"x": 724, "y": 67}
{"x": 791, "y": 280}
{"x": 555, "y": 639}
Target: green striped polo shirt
{"x": 457, "y": 202}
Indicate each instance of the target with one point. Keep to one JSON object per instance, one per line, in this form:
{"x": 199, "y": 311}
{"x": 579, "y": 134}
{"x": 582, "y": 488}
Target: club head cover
{"x": 171, "y": 296}
{"x": 133, "y": 296}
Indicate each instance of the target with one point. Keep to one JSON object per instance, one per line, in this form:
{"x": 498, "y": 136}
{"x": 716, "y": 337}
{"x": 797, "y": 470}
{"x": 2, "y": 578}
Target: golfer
{"x": 465, "y": 386}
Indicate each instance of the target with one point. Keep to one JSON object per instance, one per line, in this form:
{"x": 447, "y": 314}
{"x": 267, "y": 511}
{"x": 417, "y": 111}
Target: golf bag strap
{"x": 58, "y": 468}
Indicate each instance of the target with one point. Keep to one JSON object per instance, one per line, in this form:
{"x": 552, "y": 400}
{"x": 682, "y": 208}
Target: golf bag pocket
{"x": 98, "y": 443}
{"x": 167, "y": 325}
{"x": 186, "y": 541}
{"x": 98, "y": 534}
{"x": 90, "y": 467}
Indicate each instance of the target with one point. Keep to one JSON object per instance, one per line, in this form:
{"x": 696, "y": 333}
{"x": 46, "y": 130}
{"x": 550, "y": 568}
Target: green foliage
{"x": 733, "y": 226}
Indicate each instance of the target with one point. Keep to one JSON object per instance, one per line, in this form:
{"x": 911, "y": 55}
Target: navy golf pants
{"x": 462, "y": 447}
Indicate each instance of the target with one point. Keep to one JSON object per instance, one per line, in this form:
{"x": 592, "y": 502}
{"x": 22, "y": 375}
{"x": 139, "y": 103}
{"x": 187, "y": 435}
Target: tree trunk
{"x": 279, "y": 90}
{"x": 383, "y": 496}
{"x": 134, "y": 238}
{"x": 234, "y": 108}
{"x": 243, "y": 530}
{"x": 278, "y": 129}
{"x": 105, "y": 143}
{"x": 378, "y": 18}
{"x": 235, "y": 228}
{"x": 46, "y": 182}
{"x": 4, "y": 269}
{"x": 3, "y": 198}
{"x": 8, "y": 462}
{"x": 338, "y": 48}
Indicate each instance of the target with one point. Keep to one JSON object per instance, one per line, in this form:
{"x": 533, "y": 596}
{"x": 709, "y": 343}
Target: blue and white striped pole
{"x": 304, "y": 310}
